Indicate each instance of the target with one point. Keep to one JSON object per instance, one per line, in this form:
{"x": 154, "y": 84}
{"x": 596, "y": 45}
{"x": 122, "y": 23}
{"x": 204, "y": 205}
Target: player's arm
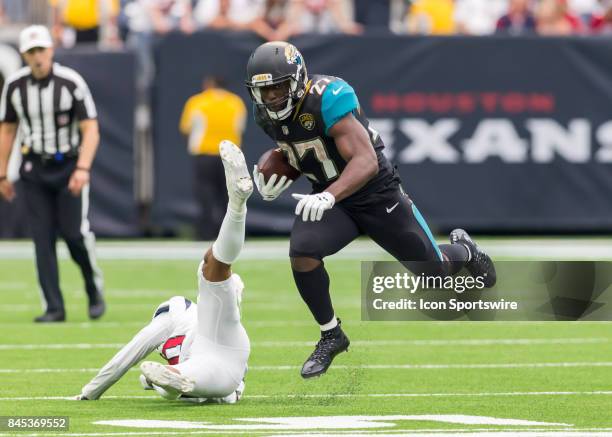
{"x": 338, "y": 103}
{"x": 8, "y": 131}
{"x": 143, "y": 343}
{"x": 85, "y": 111}
{"x": 354, "y": 145}
{"x": 90, "y": 134}
{"x": 89, "y": 144}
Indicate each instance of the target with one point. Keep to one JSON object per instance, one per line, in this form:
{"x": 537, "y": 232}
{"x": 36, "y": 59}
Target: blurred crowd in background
{"x": 133, "y": 22}
{"x": 137, "y": 25}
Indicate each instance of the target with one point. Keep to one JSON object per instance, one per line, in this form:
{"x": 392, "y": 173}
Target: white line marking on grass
{"x": 289, "y": 343}
{"x": 253, "y": 323}
{"x": 457, "y": 342}
{"x": 21, "y": 307}
{"x": 340, "y": 395}
{"x": 452, "y": 432}
{"x": 363, "y": 249}
{"x": 13, "y": 285}
{"x": 473, "y": 432}
{"x": 60, "y": 346}
{"x": 72, "y": 325}
{"x": 82, "y": 370}
{"x": 308, "y": 423}
{"x": 450, "y": 366}
{"x": 367, "y": 367}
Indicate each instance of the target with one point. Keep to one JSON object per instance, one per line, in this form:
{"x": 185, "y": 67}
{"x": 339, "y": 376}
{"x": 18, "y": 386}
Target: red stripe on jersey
{"x": 171, "y": 349}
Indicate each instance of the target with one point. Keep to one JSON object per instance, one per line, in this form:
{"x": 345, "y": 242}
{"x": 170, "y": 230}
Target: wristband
{"x": 82, "y": 169}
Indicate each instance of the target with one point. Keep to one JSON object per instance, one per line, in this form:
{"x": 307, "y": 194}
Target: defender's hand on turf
{"x": 270, "y": 190}
{"x": 312, "y": 206}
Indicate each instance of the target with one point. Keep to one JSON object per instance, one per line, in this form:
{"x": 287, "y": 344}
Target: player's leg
{"x": 220, "y": 290}
{"x": 310, "y": 243}
{"x": 221, "y": 346}
{"x": 397, "y": 225}
{"x": 40, "y": 204}
{"x": 73, "y": 224}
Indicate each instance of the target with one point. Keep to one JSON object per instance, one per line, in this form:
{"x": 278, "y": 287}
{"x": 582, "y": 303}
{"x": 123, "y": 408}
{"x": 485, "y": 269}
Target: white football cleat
{"x": 237, "y": 177}
{"x": 173, "y": 383}
{"x": 145, "y": 383}
{"x": 171, "y": 396}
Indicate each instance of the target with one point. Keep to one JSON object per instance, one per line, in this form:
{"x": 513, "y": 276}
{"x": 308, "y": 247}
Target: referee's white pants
{"x": 221, "y": 346}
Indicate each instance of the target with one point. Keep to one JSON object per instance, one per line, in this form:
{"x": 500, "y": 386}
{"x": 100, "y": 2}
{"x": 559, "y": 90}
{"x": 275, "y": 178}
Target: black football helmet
{"x": 274, "y": 63}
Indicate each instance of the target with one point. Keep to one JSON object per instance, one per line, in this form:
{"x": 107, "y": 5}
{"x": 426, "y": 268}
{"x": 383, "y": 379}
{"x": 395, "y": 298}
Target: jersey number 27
{"x": 328, "y": 166}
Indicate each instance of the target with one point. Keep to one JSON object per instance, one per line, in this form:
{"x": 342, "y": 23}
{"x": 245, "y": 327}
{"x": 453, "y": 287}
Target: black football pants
{"x": 390, "y": 218}
{"x": 53, "y": 211}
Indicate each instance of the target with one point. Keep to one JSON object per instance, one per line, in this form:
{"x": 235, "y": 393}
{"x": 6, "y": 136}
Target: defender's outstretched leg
{"x": 221, "y": 347}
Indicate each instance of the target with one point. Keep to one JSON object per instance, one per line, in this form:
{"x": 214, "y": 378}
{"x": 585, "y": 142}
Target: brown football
{"x": 274, "y": 162}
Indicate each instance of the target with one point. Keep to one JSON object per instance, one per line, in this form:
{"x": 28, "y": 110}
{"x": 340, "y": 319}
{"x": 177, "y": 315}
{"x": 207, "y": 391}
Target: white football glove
{"x": 312, "y": 206}
{"x": 270, "y": 191}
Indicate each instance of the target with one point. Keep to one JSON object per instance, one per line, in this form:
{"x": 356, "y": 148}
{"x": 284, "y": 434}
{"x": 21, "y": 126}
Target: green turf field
{"x": 427, "y": 376}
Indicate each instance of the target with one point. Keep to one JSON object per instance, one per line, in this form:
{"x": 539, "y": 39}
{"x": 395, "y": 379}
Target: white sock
{"x": 330, "y": 325}
{"x": 236, "y": 204}
{"x": 230, "y": 240}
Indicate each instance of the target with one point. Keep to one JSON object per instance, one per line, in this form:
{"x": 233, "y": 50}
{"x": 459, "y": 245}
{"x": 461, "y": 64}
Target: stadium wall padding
{"x": 491, "y": 134}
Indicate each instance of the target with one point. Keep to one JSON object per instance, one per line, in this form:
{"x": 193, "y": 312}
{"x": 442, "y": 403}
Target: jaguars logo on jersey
{"x": 307, "y": 121}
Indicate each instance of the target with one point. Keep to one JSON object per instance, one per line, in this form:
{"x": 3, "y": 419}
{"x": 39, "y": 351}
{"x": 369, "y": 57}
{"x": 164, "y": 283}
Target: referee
{"x": 53, "y": 110}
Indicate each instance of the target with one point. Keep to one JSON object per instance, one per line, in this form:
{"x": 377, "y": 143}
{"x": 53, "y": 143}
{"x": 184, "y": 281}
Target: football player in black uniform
{"x": 319, "y": 125}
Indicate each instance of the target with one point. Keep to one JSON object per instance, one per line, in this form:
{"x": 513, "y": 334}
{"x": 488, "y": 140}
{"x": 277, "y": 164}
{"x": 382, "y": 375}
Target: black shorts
{"x": 388, "y": 216}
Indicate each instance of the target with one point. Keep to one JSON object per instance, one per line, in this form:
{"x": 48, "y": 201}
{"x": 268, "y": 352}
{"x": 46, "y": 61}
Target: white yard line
{"x": 363, "y": 366}
{"x": 450, "y": 366}
{"x": 343, "y": 395}
{"x": 457, "y": 342}
{"x": 289, "y": 343}
{"x": 433, "y": 432}
{"x": 253, "y": 323}
{"x": 10, "y": 347}
{"x": 363, "y": 249}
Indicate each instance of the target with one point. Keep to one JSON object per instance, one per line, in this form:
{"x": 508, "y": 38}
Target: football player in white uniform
{"x": 206, "y": 346}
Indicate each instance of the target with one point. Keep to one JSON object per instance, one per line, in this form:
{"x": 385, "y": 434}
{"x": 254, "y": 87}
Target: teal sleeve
{"x": 338, "y": 100}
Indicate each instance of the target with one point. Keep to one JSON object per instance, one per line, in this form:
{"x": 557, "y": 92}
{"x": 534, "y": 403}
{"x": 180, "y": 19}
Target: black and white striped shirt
{"x": 49, "y": 110}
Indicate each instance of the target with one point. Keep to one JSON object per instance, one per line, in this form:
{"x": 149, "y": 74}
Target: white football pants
{"x": 221, "y": 346}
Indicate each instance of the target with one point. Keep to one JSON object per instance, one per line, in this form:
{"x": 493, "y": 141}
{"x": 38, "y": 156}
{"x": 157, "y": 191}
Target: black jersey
{"x": 303, "y": 136}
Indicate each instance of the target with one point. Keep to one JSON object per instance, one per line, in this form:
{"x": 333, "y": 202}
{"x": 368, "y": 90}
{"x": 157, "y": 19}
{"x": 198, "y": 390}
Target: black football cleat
{"x": 97, "y": 309}
{"x": 51, "y": 317}
{"x": 332, "y": 343}
{"x": 480, "y": 264}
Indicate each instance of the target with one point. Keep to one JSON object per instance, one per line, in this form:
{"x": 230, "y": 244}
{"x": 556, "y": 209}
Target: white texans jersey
{"x": 183, "y": 320}
{"x": 171, "y": 332}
